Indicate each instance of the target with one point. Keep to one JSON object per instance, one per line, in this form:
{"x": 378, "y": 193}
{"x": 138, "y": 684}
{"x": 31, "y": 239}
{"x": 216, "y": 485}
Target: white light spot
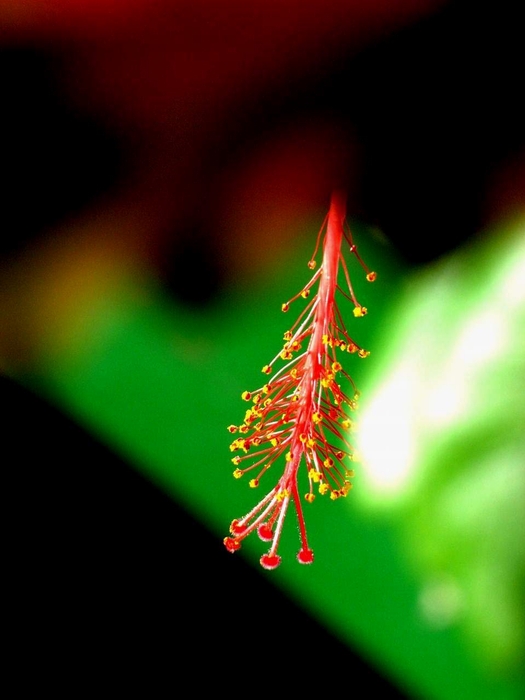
{"x": 481, "y": 339}
{"x": 441, "y": 602}
{"x": 446, "y": 401}
{"x": 385, "y": 435}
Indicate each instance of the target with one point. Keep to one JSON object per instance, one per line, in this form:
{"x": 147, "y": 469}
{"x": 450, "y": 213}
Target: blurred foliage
{"x": 448, "y": 402}
{"x": 402, "y": 571}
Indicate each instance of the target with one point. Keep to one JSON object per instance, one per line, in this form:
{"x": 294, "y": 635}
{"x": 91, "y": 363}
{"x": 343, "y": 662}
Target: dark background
{"x": 107, "y": 575}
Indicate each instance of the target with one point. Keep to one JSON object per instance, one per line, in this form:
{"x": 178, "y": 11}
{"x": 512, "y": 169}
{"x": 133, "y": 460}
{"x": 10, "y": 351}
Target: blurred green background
{"x": 167, "y": 167}
{"x": 421, "y": 567}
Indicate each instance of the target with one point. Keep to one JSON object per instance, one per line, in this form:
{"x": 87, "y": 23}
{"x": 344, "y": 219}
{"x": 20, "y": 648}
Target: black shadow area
{"x": 109, "y": 583}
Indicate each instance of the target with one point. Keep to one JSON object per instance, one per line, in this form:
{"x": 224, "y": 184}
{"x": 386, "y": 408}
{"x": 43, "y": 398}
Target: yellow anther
{"x": 288, "y": 335}
{"x": 346, "y": 424}
{"x": 285, "y": 306}
{"x": 310, "y": 443}
{"x": 325, "y": 339}
{"x": 312, "y": 264}
{"x": 336, "y": 366}
{"x": 363, "y": 353}
{"x": 293, "y": 373}
{"x": 232, "y": 428}
{"x": 246, "y": 395}
{"x": 267, "y": 369}
{"x": 256, "y": 398}
{"x": 281, "y": 495}
{"x": 309, "y": 497}
{"x": 236, "y": 460}
{"x": 371, "y": 277}
{"x": 314, "y": 475}
{"x": 237, "y": 473}
{"x": 303, "y": 437}
{"x": 317, "y": 417}
{"x": 286, "y": 355}
{"x": 334, "y": 495}
{"x": 323, "y": 488}
{"x": 360, "y": 311}
{"x": 275, "y": 441}
{"x": 351, "y": 347}
{"x": 305, "y": 293}
{"x": 254, "y": 483}
{"x": 267, "y": 388}
{"x": 329, "y": 462}
{"x": 288, "y": 457}
{"x": 244, "y": 428}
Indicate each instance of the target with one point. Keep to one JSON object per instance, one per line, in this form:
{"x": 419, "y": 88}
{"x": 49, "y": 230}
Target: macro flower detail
{"x": 302, "y": 415}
